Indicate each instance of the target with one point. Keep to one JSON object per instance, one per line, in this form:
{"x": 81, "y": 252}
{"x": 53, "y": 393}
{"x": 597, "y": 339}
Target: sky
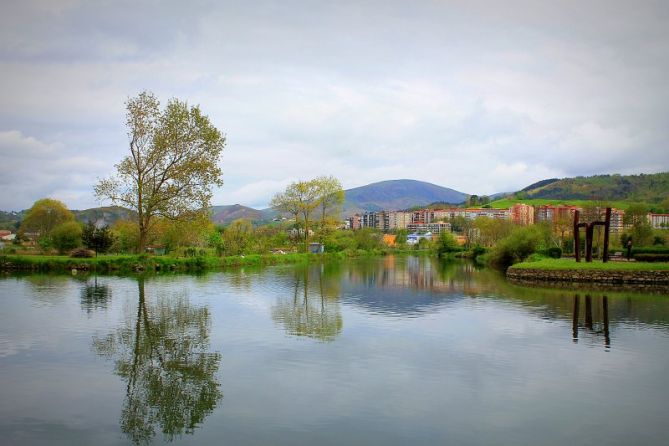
{"x": 479, "y": 96}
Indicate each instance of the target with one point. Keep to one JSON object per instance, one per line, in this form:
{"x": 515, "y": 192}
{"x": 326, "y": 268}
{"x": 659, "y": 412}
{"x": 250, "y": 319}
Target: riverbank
{"x": 142, "y": 263}
{"x": 567, "y": 270}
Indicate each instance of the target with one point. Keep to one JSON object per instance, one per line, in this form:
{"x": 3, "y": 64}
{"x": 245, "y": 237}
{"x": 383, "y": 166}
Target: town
{"x": 424, "y": 223}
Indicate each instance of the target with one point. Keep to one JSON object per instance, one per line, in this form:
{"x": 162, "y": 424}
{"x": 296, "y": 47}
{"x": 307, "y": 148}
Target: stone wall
{"x": 639, "y": 278}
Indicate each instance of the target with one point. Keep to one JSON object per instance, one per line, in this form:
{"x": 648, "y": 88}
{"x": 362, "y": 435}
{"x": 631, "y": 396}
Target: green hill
{"x": 647, "y": 188}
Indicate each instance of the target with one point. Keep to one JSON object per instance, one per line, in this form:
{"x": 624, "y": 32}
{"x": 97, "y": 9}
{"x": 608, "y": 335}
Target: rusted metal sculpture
{"x": 589, "y": 234}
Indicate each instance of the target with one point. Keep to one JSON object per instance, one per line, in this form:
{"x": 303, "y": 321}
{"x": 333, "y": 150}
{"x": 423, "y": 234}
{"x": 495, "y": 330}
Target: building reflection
{"x": 162, "y": 353}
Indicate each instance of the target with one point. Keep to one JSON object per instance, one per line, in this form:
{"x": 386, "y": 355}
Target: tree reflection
{"x": 95, "y": 296}
{"x": 162, "y": 355}
{"x": 317, "y": 316}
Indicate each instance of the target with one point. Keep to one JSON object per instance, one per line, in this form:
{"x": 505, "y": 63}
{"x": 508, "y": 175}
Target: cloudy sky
{"x": 482, "y": 97}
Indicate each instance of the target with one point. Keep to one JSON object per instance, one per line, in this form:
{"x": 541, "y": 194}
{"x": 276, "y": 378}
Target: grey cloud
{"x": 473, "y": 95}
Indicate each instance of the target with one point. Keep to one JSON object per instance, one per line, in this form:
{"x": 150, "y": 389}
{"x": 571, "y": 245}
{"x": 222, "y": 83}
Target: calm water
{"x": 388, "y": 351}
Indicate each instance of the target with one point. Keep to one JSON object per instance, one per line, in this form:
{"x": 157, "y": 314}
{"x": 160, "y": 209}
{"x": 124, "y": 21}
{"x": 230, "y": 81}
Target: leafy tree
{"x": 491, "y": 230}
{"x": 126, "y": 234}
{"x": 638, "y": 227}
{"x": 522, "y": 242}
{"x": 635, "y": 214}
{"x": 300, "y": 199}
{"x": 331, "y": 197}
{"x": 446, "y": 243}
{"x": 43, "y": 217}
{"x": 66, "y": 236}
{"x": 463, "y": 226}
{"x": 97, "y": 239}
{"x": 237, "y": 237}
{"x": 175, "y": 234}
{"x": 172, "y": 166}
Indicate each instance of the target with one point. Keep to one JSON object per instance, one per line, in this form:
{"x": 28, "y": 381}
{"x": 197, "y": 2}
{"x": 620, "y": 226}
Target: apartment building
{"x": 522, "y": 214}
{"x": 659, "y": 221}
{"x": 435, "y": 228}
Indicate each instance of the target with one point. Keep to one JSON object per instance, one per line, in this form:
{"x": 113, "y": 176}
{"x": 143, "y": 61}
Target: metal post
{"x": 607, "y": 228}
{"x": 577, "y": 238}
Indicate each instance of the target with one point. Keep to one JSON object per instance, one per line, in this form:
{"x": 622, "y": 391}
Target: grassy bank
{"x": 570, "y": 264}
{"x": 135, "y": 263}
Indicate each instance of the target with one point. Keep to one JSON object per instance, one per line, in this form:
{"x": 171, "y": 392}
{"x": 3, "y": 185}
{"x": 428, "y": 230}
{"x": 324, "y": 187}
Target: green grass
{"x": 129, "y": 263}
{"x": 506, "y": 203}
{"x": 570, "y": 264}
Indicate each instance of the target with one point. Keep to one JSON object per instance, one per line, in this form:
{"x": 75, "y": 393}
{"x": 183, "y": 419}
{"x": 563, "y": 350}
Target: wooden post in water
{"x": 607, "y": 337}
{"x": 588, "y": 312}
{"x": 574, "y": 320}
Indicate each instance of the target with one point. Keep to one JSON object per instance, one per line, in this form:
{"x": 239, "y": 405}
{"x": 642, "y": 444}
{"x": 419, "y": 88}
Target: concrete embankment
{"x": 638, "y": 278}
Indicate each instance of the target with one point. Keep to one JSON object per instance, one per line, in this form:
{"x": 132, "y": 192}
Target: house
{"x": 414, "y": 238}
{"x": 316, "y": 248}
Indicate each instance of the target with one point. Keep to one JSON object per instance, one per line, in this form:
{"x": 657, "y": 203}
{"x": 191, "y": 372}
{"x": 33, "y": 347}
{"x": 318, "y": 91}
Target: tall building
{"x": 522, "y": 214}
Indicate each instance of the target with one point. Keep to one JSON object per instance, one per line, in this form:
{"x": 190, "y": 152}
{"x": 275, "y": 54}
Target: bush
{"x": 647, "y": 257}
{"x": 553, "y": 252}
{"x": 66, "y": 236}
{"x": 516, "y": 247}
{"x": 650, "y": 250}
{"x": 446, "y": 244}
{"x": 82, "y": 253}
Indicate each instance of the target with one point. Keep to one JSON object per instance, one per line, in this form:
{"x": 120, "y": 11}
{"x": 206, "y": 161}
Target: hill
{"x": 104, "y": 216}
{"x": 649, "y": 188}
{"x": 396, "y": 195}
{"x": 223, "y": 215}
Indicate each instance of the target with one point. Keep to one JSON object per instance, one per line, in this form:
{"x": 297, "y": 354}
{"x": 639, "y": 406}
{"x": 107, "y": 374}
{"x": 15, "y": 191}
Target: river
{"x": 387, "y": 351}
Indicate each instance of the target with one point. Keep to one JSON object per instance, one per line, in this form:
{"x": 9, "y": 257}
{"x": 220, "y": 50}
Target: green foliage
{"x": 446, "y": 244}
{"x": 650, "y": 250}
{"x": 368, "y": 239}
{"x": 237, "y": 238}
{"x": 522, "y": 242}
{"x": 647, "y": 257}
{"x": 172, "y": 166}
{"x": 97, "y": 239}
{"x": 553, "y": 252}
{"x": 66, "y": 236}
{"x": 126, "y": 236}
{"x": 44, "y": 216}
{"x": 401, "y": 238}
{"x": 653, "y": 188}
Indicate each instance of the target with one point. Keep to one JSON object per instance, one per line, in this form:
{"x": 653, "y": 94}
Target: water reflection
{"x": 313, "y": 308}
{"x": 601, "y": 327}
{"x": 170, "y": 375}
{"x": 410, "y": 286}
{"x": 95, "y": 296}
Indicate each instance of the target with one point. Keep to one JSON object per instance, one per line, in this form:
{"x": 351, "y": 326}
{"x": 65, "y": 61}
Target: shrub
{"x": 82, "y": 253}
{"x": 66, "y": 236}
{"x": 648, "y": 257}
{"x": 446, "y": 244}
{"x": 552, "y": 252}
{"x": 650, "y": 250}
{"x": 516, "y": 247}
